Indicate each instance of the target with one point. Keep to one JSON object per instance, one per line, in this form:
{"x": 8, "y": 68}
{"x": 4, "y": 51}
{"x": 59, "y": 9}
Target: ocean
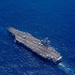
{"x": 54, "y": 19}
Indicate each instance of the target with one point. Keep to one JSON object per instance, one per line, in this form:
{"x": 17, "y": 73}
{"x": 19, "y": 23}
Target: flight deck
{"x": 41, "y": 47}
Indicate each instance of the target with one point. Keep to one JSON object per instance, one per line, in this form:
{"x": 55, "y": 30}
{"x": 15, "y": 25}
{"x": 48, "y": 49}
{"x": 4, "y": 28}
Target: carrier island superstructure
{"x": 41, "y": 47}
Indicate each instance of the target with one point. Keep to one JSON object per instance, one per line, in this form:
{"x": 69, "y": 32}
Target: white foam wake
{"x": 67, "y": 70}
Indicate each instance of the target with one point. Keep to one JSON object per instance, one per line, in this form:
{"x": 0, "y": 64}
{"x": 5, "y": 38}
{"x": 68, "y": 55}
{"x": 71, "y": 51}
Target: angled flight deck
{"x": 41, "y": 47}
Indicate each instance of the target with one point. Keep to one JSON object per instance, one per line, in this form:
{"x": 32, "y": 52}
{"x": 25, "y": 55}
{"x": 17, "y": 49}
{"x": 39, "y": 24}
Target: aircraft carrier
{"x": 41, "y": 47}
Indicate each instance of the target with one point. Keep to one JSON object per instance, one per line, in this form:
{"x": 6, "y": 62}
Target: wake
{"x": 67, "y": 70}
{"x": 61, "y": 66}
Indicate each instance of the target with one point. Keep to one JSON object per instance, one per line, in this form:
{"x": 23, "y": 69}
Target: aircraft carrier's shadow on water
{"x": 46, "y": 61}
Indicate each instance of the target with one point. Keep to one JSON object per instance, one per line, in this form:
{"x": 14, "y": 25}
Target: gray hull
{"x": 35, "y": 45}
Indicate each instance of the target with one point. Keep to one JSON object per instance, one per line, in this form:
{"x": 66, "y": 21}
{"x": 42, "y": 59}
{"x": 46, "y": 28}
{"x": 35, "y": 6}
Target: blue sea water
{"x": 42, "y": 18}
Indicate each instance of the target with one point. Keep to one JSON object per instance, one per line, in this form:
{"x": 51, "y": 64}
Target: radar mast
{"x": 45, "y": 42}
